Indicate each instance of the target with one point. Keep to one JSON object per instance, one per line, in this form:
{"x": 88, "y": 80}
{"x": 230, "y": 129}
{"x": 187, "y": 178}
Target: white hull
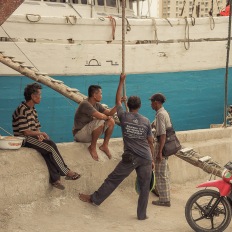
{"x": 86, "y": 46}
{"x": 81, "y": 49}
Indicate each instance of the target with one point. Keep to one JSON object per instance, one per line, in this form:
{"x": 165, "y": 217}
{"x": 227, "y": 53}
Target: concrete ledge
{"x": 24, "y": 175}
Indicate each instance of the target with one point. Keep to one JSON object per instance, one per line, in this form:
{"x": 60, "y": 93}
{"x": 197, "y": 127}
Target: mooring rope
{"x": 113, "y": 25}
{"x": 182, "y": 11}
{"x": 211, "y": 22}
{"x": 186, "y": 39}
{"x": 191, "y": 15}
{"x": 33, "y": 21}
{"x": 155, "y": 30}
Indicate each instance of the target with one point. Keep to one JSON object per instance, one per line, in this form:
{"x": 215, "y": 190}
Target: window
{"x": 100, "y": 2}
{"x": 131, "y": 4}
{"x": 111, "y": 3}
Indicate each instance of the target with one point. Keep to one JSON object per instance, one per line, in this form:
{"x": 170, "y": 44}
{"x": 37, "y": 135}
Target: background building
{"x": 188, "y": 8}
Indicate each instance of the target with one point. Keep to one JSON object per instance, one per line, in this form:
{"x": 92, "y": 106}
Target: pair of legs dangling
{"x": 91, "y": 133}
{"x": 55, "y": 163}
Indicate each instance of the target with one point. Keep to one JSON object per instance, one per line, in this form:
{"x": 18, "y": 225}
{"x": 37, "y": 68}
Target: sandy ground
{"x": 117, "y": 213}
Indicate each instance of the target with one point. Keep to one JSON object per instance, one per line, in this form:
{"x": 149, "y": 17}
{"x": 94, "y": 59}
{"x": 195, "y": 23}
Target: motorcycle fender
{"x": 223, "y": 187}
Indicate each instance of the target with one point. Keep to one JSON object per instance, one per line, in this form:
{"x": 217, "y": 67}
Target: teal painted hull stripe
{"x": 194, "y": 99}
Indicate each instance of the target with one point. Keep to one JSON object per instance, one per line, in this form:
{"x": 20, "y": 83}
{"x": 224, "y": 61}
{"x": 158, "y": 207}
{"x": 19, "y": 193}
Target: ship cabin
{"x": 83, "y": 8}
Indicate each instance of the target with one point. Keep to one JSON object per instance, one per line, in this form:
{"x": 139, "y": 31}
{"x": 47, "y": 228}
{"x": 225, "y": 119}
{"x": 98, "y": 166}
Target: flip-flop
{"x": 58, "y": 185}
{"x": 73, "y": 177}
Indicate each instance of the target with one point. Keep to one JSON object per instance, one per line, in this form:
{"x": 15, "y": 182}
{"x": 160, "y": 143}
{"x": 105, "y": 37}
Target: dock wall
{"x": 24, "y": 176}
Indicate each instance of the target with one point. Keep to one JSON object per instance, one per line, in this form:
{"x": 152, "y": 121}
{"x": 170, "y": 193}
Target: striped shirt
{"x": 25, "y": 118}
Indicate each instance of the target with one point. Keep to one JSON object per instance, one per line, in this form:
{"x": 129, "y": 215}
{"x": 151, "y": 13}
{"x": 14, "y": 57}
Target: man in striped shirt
{"x": 25, "y": 123}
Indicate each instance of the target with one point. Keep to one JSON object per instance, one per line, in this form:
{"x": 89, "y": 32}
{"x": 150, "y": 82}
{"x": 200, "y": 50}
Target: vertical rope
{"x": 227, "y": 66}
{"x": 123, "y": 47}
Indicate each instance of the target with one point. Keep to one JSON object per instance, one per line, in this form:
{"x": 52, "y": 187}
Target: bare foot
{"x": 93, "y": 153}
{"x": 85, "y": 198}
{"x": 106, "y": 150}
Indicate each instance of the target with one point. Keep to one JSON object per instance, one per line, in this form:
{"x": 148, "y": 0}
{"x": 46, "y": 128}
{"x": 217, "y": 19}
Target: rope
{"x": 68, "y": 20}
{"x": 6, "y": 132}
{"x": 193, "y": 21}
{"x": 169, "y": 22}
{"x": 33, "y": 21}
{"x": 113, "y": 25}
{"x": 211, "y": 22}
{"x": 20, "y": 49}
{"x": 128, "y": 26}
{"x": 74, "y": 9}
{"x": 123, "y": 48}
{"x": 191, "y": 15}
{"x": 218, "y": 6}
{"x": 211, "y": 10}
{"x": 186, "y": 39}
{"x": 182, "y": 11}
{"x": 155, "y": 30}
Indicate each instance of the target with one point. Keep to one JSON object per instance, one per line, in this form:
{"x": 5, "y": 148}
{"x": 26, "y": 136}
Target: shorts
{"x": 85, "y": 134}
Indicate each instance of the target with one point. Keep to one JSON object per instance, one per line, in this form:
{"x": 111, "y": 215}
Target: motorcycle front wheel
{"x": 201, "y": 217}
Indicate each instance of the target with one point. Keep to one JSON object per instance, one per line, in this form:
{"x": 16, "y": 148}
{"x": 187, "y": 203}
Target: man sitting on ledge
{"x": 25, "y": 122}
{"x": 92, "y": 120}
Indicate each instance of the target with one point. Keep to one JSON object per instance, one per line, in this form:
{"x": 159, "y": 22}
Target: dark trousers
{"x": 49, "y": 151}
{"x": 143, "y": 169}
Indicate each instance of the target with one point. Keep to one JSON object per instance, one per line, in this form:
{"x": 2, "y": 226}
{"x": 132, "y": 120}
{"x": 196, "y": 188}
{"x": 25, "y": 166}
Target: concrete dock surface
{"x": 28, "y": 203}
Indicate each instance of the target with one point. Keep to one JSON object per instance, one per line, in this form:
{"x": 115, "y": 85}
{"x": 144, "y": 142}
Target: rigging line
{"x": 31, "y": 61}
{"x": 186, "y": 39}
{"x": 20, "y": 49}
{"x": 155, "y": 30}
{"x": 182, "y": 11}
{"x": 211, "y": 10}
{"x": 211, "y": 22}
{"x": 141, "y": 9}
{"x": 69, "y": 102}
{"x": 191, "y": 15}
{"x": 70, "y": 4}
{"x": 148, "y": 9}
{"x": 218, "y": 6}
{"x": 227, "y": 66}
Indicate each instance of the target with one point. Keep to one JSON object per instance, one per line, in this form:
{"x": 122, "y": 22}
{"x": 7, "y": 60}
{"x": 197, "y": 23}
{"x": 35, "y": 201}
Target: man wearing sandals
{"x": 138, "y": 150}
{"x": 25, "y": 123}
{"x": 91, "y": 120}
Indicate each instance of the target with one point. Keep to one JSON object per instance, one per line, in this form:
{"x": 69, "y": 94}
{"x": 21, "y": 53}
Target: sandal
{"x": 162, "y": 203}
{"x": 75, "y": 176}
{"x": 58, "y": 185}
